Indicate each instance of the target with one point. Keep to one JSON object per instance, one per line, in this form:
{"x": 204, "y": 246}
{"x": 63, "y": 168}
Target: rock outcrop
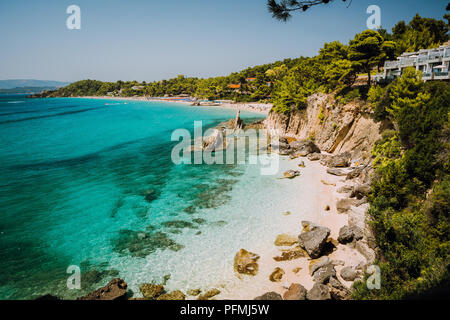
{"x": 313, "y": 238}
{"x": 245, "y": 262}
{"x": 269, "y": 296}
{"x": 335, "y": 128}
{"x": 295, "y": 292}
{"x": 116, "y": 289}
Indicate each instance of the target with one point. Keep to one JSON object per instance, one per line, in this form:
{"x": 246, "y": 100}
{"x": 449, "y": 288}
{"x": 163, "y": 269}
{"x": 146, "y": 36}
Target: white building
{"x": 434, "y": 64}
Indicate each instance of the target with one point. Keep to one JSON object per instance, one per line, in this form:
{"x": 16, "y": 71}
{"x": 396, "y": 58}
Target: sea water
{"x": 90, "y": 183}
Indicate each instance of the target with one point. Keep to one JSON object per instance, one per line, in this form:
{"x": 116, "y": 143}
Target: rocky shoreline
{"x": 324, "y": 257}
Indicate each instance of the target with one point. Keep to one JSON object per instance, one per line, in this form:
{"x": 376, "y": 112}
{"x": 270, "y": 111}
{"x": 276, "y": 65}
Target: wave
{"x": 15, "y": 101}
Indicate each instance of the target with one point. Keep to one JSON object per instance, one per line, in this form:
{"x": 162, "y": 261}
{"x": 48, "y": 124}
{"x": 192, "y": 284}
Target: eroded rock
{"x": 318, "y": 292}
{"x": 245, "y": 262}
{"x": 116, "y": 289}
{"x": 295, "y": 292}
{"x": 313, "y": 238}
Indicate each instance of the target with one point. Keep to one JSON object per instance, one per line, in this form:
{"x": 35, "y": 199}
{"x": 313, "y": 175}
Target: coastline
{"x": 255, "y": 107}
{"x": 312, "y": 196}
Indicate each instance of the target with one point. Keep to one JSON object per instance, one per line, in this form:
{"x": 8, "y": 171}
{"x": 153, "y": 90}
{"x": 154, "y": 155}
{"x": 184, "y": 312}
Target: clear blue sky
{"x": 153, "y": 39}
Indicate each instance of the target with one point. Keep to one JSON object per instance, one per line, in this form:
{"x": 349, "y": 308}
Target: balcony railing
{"x": 391, "y": 64}
{"x": 407, "y": 62}
{"x": 441, "y": 73}
{"x": 434, "y": 56}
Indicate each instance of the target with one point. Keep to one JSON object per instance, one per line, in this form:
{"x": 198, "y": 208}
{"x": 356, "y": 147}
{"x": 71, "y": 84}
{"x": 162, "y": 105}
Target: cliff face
{"x": 335, "y": 128}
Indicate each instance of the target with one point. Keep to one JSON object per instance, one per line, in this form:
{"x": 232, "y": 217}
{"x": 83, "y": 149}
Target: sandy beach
{"x": 312, "y": 197}
{"x": 262, "y": 108}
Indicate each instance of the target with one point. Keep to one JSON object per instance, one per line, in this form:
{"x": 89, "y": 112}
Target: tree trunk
{"x": 368, "y": 79}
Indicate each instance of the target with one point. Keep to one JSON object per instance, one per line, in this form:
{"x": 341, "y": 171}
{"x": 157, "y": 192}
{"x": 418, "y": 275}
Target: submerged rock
{"x": 277, "y": 275}
{"x": 291, "y": 254}
{"x": 116, "y": 289}
{"x": 178, "y": 224}
{"x": 209, "y": 294}
{"x": 285, "y": 240}
{"x": 151, "y": 291}
{"x": 194, "y": 292}
{"x": 245, "y": 262}
{"x": 290, "y": 174}
{"x": 174, "y": 295}
{"x": 141, "y": 244}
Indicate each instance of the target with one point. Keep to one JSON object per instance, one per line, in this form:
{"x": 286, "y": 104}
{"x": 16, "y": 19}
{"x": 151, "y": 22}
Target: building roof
{"x": 234, "y": 86}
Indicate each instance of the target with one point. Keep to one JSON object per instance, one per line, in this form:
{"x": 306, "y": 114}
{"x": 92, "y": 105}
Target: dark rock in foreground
{"x": 270, "y": 296}
{"x": 313, "y": 238}
{"x": 116, "y": 289}
{"x": 295, "y": 292}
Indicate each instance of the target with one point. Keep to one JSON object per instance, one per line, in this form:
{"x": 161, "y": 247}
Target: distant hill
{"x": 20, "y": 83}
{"x": 26, "y": 90}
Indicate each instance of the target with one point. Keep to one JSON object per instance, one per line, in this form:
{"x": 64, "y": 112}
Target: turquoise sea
{"x": 90, "y": 182}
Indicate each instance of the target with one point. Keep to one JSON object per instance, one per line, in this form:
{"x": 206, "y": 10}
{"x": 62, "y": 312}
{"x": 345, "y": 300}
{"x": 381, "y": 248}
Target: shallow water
{"x": 90, "y": 182}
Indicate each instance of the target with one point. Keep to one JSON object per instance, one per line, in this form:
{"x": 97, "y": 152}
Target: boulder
{"x": 336, "y": 172}
{"x": 116, "y": 289}
{"x": 245, "y": 262}
{"x": 301, "y": 164}
{"x": 345, "y": 189}
{"x": 324, "y": 273}
{"x": 291, "y": 174}
{"x": 345, "y": 235}
{"x": 295, "y": 292}
{"x": 360, "y": 191}
{"x": 269, "y": 296}
{"x": 337, "y": 290}
{"x": 318, "y": 292}
{"x": 343, "y": 205}
{"x": 355, "y": 173}
{"x": 314, "y": 156}
{"x": 174, "y": 295}
{"x": 194, "y": 292}
{"x": 318, "y": 263}
{"x": 276, "y": 275}
{"x": 285, "y": 240}
{"x": 313, "y": 239}
{"x": 349, "y": 274}
{"x": 151, "y": 291}
{"x": 365, "y": 250}
{"x": 209, "y": 294}
{"x": 291, "y": 254}
{"x": 341, "y": 160}
{"x": 306, "y": 145}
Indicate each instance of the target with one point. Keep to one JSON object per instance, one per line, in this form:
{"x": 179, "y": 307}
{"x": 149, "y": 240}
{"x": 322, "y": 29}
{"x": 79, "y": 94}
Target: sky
{"x": 153, "y": 39}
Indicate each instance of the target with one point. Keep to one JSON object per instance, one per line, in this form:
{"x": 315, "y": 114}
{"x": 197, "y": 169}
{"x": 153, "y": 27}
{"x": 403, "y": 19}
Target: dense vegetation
{"x": 287, "y": 83}
{"x": 410, "y": 199}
